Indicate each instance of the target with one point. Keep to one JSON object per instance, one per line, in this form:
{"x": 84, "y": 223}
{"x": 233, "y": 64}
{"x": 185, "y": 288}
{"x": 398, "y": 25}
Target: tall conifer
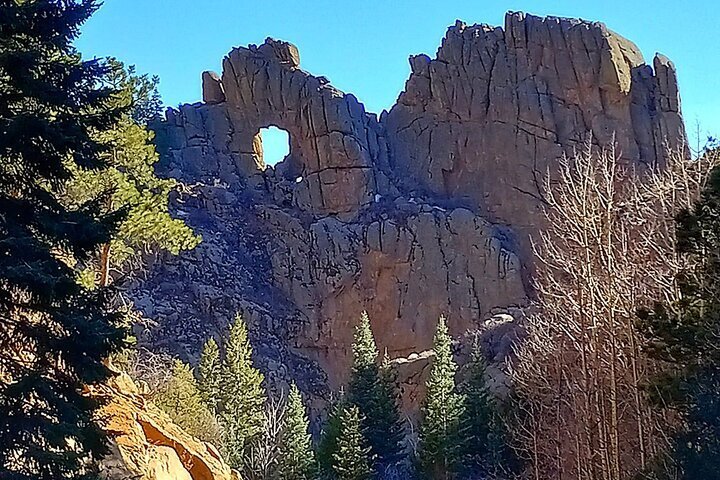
{"x": 297, "y": 460}
{"x": 439, "y": 448}
{"x": 372, "y": 389}
{"x": 54, "y": 334}
{"x": 210, "y": 371}
{"x": 389, "y": 432}
{"x": 352, "y": 459}
{"x": 242, "y": 397}
{"x": 129, "y": 177}
{"x": 483, "y": 442}
{"x": 328, "y": 445}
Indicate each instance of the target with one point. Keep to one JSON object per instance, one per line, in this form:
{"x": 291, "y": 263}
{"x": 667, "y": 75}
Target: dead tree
{"x": 580, "y": 375}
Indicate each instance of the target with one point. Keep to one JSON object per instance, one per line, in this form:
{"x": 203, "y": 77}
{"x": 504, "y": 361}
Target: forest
{"x": 615, "y": 374}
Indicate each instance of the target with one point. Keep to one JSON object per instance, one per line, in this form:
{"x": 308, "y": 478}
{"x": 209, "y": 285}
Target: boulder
{"x": 145, "y": 444}
{"x": 213, "y": 90}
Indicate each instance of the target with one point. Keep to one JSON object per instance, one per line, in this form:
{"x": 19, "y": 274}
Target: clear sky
{"x": 362, "y": 46}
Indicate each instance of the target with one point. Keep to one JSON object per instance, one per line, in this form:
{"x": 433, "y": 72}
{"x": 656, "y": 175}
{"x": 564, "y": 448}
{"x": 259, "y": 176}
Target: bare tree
{"x": 608, "y": 249}
{"x": 261, "y": 456}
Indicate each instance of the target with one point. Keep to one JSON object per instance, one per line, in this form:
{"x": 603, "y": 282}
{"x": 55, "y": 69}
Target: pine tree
{"x": 297, "y": 460}
{"x": 439, "y": 446}
{"x": 482, "y": 436}
{"x": 683, "y": 337}
{"x": 210, "y": 372}
{"x": 364, "y": 373}
{"x": 375, "y": 395}
{"x": 328, "y": 444}
{"x": 352, "y": 460}
{"x": 389, "y": 432}
{"x": 242, "y": 395}
{"x": 129, "y": 176}
{"x": 146, "y": 101}
{"x": 54, "y": 333}
{"x": 181, "y": 399}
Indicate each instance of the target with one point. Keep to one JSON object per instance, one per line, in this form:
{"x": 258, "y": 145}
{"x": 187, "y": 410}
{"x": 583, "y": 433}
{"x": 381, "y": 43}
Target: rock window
{"x": 273, "y": 145}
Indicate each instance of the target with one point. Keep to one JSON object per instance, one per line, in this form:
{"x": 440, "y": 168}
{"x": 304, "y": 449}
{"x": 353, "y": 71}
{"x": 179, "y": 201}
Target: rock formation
{"x": 426, "y": 210}
{"x": 145, "y": 444}
{"x": 488, "y": 117}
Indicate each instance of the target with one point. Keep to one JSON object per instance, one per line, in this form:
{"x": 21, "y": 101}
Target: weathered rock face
{"x": 425, "y": 211}
{"x": 488, "y": 117}
{"x": 145, "y": 444}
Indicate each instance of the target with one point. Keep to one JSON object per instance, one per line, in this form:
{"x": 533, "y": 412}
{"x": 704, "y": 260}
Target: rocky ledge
{"x": 144, "y": 442}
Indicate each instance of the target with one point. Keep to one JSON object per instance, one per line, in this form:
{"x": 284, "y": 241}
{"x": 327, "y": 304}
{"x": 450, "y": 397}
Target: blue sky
{"x": 362, "y": 46}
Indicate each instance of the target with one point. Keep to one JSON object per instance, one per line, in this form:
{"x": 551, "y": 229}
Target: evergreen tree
{"x": 389, "y": 431}
{"x": 242, "y": 397}
{"x": 696, "y": 447}
{"x": 210, "y": 371}
{"x": 129, "y": 177}
{"x": 352, "y": 460}
{"x": 146, "y": 103}
{"x": 684, "y": 338}
{"x": 328, "y": 444}
{"x": 439, "y": 446}
{"x": 54, "y": 333}
{"x": 297, "y": 460}
{"x": 362, "y": 389}
{"x": 181, "y": 399}
{"x": 373, "y": 391}
{"x": 484, "y": 450}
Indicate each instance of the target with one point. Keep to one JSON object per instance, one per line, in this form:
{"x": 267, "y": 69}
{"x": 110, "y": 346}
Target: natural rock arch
{"x": 263, "y": 86}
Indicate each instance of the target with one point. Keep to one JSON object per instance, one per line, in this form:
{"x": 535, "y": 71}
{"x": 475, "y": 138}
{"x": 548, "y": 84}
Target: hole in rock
{"x": 275, "y": 145}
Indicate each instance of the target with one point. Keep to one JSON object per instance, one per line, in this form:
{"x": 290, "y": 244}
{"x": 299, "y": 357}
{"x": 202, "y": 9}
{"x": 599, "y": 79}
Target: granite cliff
{"x": 427, "y": 209}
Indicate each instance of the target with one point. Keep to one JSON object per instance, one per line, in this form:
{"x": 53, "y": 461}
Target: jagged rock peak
{"x": 494, "y": 110}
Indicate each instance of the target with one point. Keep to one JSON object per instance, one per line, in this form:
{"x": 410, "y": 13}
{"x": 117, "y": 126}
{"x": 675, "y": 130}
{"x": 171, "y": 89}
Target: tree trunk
{"x": 105, "y": 251}
{"x": 105, "y": 265}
